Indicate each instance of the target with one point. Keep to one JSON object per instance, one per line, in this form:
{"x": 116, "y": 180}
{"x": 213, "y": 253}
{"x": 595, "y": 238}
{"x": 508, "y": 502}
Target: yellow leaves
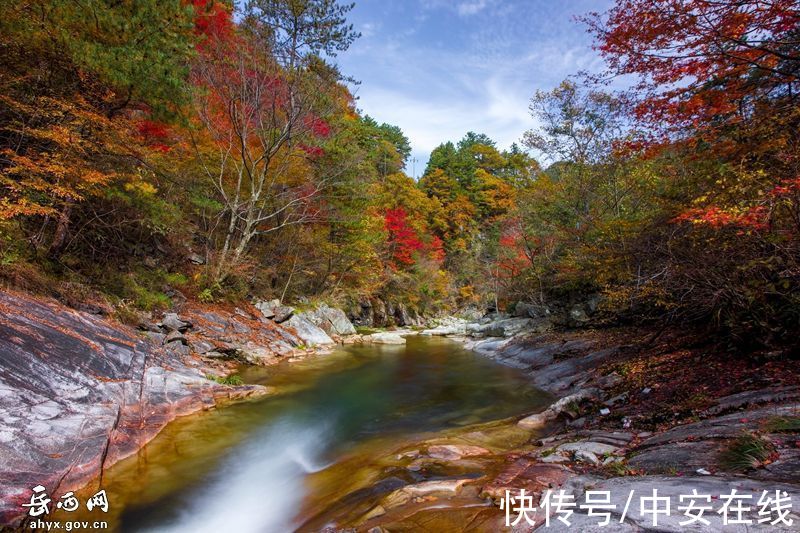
{"x": 141, "y": 187}
{"x": 23, "y": 207}
{"x": 64, "y": 151}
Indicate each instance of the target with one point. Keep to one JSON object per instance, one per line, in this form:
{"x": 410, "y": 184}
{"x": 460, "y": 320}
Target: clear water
{"x": 246, "y": 467}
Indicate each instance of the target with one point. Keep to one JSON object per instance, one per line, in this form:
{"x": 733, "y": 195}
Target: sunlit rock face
{"x": 78, "y": 392}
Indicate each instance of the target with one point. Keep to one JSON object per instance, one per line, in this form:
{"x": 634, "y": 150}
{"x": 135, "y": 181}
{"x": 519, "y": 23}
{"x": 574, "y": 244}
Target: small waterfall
{"x": 259, "y": 487}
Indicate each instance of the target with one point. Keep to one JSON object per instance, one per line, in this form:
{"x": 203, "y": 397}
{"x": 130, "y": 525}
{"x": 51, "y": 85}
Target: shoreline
{"x": 82, "y": 392}
{"x": 578, "y": 441}
{"x": 589, "y": 436}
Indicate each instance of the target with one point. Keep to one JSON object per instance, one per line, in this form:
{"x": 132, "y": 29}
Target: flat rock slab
{"x": 597, "y": 448}
{"x": 453, "y": 452}
{"x": 678, "y": 457}
{"x": 752, "y": 398}
{"x": 426, "y": 488}
{"x": 78, "y": 393}
{"x": 727, "y": 426}
{"x": 526, "y": 473}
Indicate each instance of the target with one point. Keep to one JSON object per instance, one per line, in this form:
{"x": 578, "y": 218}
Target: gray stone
{"x": 452, "y": 452}
{"x": 378, "y": 313}
{"x": 197, "y": 259}
{"x": 309, "y": 333}
{"x": 157, "y": 338}
{"x": 586, "y": 457}
{"x": 402, "y": 316}
{"x": 201, "y": 347}
{"x": 175, "y": 336}
{"x": 255, "y": 354}
{"x": 753, "y": 397}
{"x": 622, "y": 398}
{"x": 609, "y": 381}
{"x": 597, "y": 448}
{"x": 171, "y": 322}
{"x": 679, "y": 457}
{"x": 282, "y": 313}
{"x": 267, "y": 308}
{"x": 385, "y": 337}
{"x": 332, "y": 320}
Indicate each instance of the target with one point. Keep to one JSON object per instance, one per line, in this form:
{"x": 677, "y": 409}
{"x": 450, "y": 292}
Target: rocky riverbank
{"x": 80, "y": 391}
{"x": 635, "y": 412}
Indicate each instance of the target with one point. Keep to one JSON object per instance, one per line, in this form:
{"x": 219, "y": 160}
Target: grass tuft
{"x": 746, "y": 452}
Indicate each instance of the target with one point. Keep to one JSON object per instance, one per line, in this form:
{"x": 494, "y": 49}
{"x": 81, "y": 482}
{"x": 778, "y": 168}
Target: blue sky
{"x": 439, "y": 68}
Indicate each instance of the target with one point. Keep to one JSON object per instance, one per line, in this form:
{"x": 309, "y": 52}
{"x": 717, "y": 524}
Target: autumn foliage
{"x": 161, "y": 150}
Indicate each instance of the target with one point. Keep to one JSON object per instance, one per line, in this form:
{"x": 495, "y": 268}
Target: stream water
{"x": 271, "y": 464}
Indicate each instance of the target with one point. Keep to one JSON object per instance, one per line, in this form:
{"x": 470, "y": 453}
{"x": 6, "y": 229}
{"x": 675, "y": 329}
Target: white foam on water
{"x": 259, "y": 487}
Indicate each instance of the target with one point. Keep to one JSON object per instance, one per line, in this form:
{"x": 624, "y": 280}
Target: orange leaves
{"x": 62, "y": 155}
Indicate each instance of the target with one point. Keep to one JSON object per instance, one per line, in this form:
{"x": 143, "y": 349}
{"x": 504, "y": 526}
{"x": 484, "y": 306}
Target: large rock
{"x": 78, "y": 393}
{"x": 447, "y": 327}
{"x": 171, "y": 322}
{"x": 361, "y": 313}
{"x": 444, "y": 487}
{"x": 308, "y": 332}
{"x": 378, "y": 313}
{"x": 385, "y": 337}
{"x": 267, "y": 308}
{"x": 283, "y": 313}
{"x": 507, "y": 327}
{"x": 331, "y": 320}
{"x": 402, "y": 317}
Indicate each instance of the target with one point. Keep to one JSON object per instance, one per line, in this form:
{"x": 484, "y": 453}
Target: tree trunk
{"x": 61, "y": 232}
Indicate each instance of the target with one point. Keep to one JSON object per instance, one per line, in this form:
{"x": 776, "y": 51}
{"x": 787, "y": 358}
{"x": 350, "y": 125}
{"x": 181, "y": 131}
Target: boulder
{"x": 402, "y": 316}
{"x": 254, "y": 354}
{"x": 197, "y": 259}
{"x": 596, "y": 448}
{"x": 332, "y": 320}
{"x": 385, "y": 337}
{"x": 175, "y": 336}
{"x": 507, "y": 327}
{"x": 309, "y": 333}
{"x": 171, "y": 322}
{"x": 378, "y": 313}
{"x": 201, "y": 347}
{"x": 283, "y": 313}
{"x": 361, "y": 313}
{"x": 267, "y": 308}
{"x": 447, "y": 326}
{"x": 445, "y": 487}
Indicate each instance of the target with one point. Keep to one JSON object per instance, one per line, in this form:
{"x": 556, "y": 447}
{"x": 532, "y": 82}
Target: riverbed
{"x": 313, "y": 452}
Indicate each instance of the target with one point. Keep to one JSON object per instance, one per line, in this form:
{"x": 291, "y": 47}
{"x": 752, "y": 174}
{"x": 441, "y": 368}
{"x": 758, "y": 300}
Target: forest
{"x": 152, "y": 151}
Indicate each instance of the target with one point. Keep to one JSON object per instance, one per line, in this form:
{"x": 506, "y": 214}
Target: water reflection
{"x": 243, "y": 468}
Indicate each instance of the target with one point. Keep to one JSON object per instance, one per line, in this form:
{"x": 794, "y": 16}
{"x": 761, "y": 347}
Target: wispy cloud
{"x": 437, "y": 71}
{"x": 471, "y": 7}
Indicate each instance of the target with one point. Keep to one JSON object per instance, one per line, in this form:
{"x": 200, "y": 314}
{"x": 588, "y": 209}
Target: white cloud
{"x": 368, "y": 29}
{"x": 473, "y": 75}
{"x": 471, "y": 7}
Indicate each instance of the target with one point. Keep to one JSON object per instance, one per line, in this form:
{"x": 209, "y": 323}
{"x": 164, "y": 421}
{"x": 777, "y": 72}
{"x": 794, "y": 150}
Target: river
{"x": 303, "y": 455}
